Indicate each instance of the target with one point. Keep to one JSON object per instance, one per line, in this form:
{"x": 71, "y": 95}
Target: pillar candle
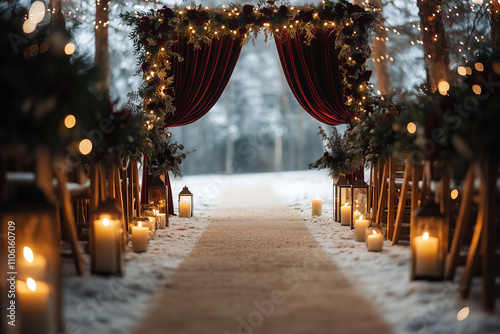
{"x": 316, "y": 206}
{"x": 34, "y": 307}
{"x": 360, "y": 226}
{"x": 426, "y": 255}
{"x": 32, "y": 265}
{"x": 140, "y": 237}
{"x": 185, "y": 207}
{"x": 105, "y": 245}
{"x": 375, "y": 242}
{"x": 163, "y": 220}
{"x": 345, "y": 215}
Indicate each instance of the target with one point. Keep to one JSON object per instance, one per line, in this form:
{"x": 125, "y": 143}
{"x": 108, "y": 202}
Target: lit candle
{"x": 375, "y": 242}
{"x": 163, "y": 220}
{"x": 185, "y": 207}
{"x": 345, "y": 215}
{"x": 105, "y": 247}
{"x": 356, "y": 215}
{"x": 33, "y": 307}
{"x": 140, "y": 237}
{"x": 316, "y": 206}
{"x": 426, "y": 255}
{"x": 360, "y": 226}
{"x": 32, "y": 265}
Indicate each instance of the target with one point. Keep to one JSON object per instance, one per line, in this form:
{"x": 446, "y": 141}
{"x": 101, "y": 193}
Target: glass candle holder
{"x": 374, "y": 238}
{"x": 141, "y": 234}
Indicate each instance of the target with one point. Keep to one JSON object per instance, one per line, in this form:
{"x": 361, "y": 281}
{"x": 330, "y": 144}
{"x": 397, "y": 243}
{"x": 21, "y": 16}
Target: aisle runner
{"x": 257, "y": 269}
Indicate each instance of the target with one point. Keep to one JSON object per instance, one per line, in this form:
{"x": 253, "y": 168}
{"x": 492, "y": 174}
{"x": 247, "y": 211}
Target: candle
{"x": 374, "y": 242}
{"x": 140, "y": 237}
{"x": 316, "y": 206}
{"x": 34, "y": 307}
{"x": 32, "y": 265}
{"x": 105, "y": 245}
{"x": 345, "y": 215}
{"x": 360, "y": 226}
{"x": 185, "y": 207}
{"x": 426, "y": 255}
{"x": 163, "y": 220}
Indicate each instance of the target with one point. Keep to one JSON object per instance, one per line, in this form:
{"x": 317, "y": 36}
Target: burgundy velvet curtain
{"x": 313, "y": 74}
{"x": 199, "y": 81}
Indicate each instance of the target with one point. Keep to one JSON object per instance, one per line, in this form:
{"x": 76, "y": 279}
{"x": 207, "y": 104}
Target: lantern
{"x": 345, "y": 191}
{"x": 359, "y": 200}
{"x": 30, "y": 275}
{"x": 340, "y": 181}
{"x": 106, "y": 239}
{"x": 185, "y": 203}
{"x": 158, "y": 195}
{"x": 151, "y": 211}
{"x": 428, "y": 242}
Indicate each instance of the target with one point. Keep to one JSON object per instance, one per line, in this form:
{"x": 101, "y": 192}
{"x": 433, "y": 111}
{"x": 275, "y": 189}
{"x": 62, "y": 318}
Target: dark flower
{"x": 339, "y": 9}
{"x": 350, "y": 80}
{"x": 356, "y": 94}
{"x": 156, "y": 81}
{"x": 359, "y": 58}
{"x": 326, "y": 154}
{"x": 168, "y": 91}
{"x": 357, "y": 9}
{"x": 347, "y": 91}
{"x": 146, "y": 66}
{"x": 204, "y": 14}
{"x": 144, "y": 23}
{"x": 199, "y": 21}
{"x": 369, "y": 109}
{"x": 266, "y": 11}
{"x": 167, "y": 12}
{"x": 347, "y": 40}
{"x": 330, "y": 159}
{"x": 144, "y": 42}
{"x": 219, "y": 18}
{"x": 151, "y": 105}
{"x": 261, "y": 20}
{"x": 306, "y": 15}
{"x": 367, "y": 75}
{"x": 164, "y": 27}
{"x": 247, "y": 10}
{"x": 283, "y": 10}
{"x": 191, "y": 14}
{"x": 351, "y": 70}
{"x": 348, "y": 31}
{"x": 160, "y": 41}
{"x": 233, "y": 24}
{"x": 249, "y": 19}
{"x": 167, "y": 152}
{"x": 366, "y": 19}
{"x": 242, "y": 30}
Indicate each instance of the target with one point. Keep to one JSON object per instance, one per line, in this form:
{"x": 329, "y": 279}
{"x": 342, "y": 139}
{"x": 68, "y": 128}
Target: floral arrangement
{"x": 338, "y": 157}
{"x": 168, "y": 157}
{"x": 156, "y": 31}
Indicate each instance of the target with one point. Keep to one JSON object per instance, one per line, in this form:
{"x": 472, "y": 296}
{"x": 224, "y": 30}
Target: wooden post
{"x": 488, "y": 242}
{"x": 402, "y": 203}
{"x": 390, "y": 198}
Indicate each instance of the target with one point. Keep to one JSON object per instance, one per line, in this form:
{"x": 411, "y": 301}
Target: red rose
{"x": 339, "y": 9}
{"x": 144, "y": 23}
{"x": 348, "y": 30}
{"x": 191, "y": 14}
{"x": 233, "y": 24}
{"x": 266, "y": 11}
{"x": 350, "y": 80}
{"x": 247, "y": 10}
{"x": 167, "y": 12}
{"x": 359, "y": 58}
{"x": 204, "y": 14}
{"x": 326, "y": 154}
{"x": 146, "y": 66}
{"x": 306, "y": 15}
{"x": 283, "y": 10}
{"x": 367, "y": 75}
{"x": 330, "y": 159}
{"x": 243, "y": 30}
{"x": 164, "y": 27}
{"x": 369, "y": 109}
{"x": 347, "y": 91}
{"x": 199, "y": 21}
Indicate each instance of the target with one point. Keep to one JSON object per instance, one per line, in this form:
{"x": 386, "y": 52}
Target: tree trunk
{"x": 379, "y": 53}
{"x": 495, "y": 25}
{"x": 57, "y": 17}
{"x": 437, "y": 58}
{"x": 229, "y": 138}
{"x": 101, "y": 43}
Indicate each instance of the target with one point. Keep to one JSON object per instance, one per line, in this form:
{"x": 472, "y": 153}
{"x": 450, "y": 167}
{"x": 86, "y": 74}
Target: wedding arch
{"x": 187, "y": 55}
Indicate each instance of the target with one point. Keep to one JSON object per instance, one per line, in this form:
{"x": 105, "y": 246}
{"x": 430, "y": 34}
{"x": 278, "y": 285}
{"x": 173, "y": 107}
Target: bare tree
{"x": 437, "y": 59}
{"x": 101, "y": 42}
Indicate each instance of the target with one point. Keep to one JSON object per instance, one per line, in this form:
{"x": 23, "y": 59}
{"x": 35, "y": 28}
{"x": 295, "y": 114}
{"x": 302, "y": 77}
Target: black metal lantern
{"x": 30, "y": 262}
{"x": 345, "y": 207}
{"x": 185, "y": 203}
{"x": 428, "y": 238}
{"x": 340, "y": 181}
{"x": 106, "y": 239}
{"x": 158, "y": 194}
{"x": 359, "y": 200}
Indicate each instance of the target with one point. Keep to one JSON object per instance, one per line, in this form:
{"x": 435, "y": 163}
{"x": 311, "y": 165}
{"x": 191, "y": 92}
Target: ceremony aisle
{"x": 257, "y": 269}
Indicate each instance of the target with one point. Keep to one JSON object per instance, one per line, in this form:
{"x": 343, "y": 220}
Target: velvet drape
{"x": 199, "y": 81}
{"x": 313, "y": 74}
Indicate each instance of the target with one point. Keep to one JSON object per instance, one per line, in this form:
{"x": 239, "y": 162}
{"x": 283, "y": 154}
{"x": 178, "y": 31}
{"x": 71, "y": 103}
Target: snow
{"x": 95, "y": 304}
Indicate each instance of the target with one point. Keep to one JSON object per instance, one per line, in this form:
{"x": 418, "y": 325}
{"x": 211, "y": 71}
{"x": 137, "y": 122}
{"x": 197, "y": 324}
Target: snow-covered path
{"x": 257, "y": 269}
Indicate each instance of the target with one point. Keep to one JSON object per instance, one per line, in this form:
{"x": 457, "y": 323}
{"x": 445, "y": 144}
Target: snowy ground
{"x": 113, "y": 305}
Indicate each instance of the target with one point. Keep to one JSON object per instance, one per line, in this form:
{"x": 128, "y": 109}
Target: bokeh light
{"x": 69, "y": 49}
{"x": 411, "y": 127}
{"x": 37, "y": 12}
{"x": 69, "y": 121}
{"x": 85, "y": 146}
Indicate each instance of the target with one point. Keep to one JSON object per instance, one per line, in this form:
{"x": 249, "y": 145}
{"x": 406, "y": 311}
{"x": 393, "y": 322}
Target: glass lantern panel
{"x": 360, "y": 200}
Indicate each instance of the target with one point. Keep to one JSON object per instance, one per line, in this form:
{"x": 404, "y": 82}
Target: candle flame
{"x": 374, "y": 232}
{"x": 345, "y": 204}
{"x": 361, "y": 217}
{"x": 426, "y": 236}
{"x": 139, "y": 224}
{"x": 105, "y": 222}
{"x": 28, "y": 254}
{"x": 30, "y": 282}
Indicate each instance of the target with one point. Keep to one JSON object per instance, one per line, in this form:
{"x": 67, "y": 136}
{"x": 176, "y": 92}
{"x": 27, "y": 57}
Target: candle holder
{"x": 359, "y": 199}
{"x": 185, "y": 203}
{"x": 30, "y": 260}
{"x": 158, "y": 195}
{"x": 106, "y": 240}
{"x": 345, "y": 197}
{"x": 340, "y": 181}
{"x": 428, "y": 243}
{"x": 374, "y": 238}
{"x": 141, "y": 234}
{"x": 361, "y": 223}
{"x": 151, "y": 211}
{"x": 144, "y": 221}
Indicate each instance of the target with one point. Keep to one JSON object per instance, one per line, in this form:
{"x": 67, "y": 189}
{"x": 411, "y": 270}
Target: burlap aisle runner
{"x": 257, "y": 269}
